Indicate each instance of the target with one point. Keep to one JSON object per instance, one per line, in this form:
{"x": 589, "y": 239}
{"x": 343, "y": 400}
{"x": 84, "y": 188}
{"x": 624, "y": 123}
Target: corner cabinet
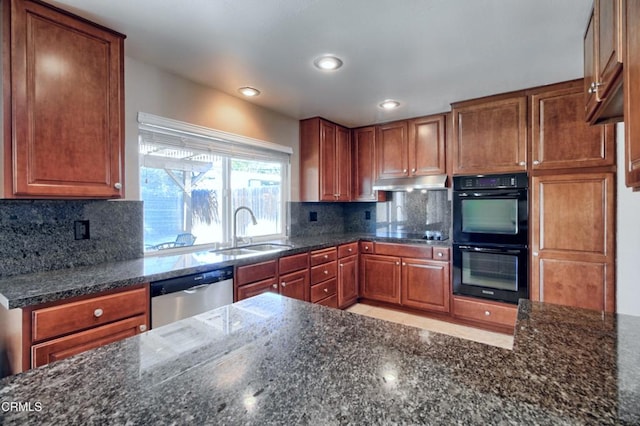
{"x": 325, "y": 161}
{"x": 64, "y": 104}
{"x": 490, "y": 135}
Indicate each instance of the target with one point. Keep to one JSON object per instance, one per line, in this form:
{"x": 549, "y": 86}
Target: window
{"x": 192, "y": 179}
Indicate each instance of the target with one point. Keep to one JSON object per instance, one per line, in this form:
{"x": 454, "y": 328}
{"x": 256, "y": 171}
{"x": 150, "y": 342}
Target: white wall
{"x": 152, "y": 90}
{"x": 628, "y": 240}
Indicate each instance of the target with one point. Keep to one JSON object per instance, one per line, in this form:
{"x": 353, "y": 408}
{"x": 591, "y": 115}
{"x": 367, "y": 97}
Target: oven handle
{"x": 492, "y": 194}
{"x": 489, "y": 250}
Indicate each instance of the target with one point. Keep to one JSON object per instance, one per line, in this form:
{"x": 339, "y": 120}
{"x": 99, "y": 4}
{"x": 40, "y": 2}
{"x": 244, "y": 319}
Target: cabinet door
{"x": 490, "y": 136}
{"x": 67, "y": 109}
{"x": 328, "y": 156}
{"x": 572, "y": 247}
{"x": 392, "y": 150}
{"x": 347, "y": 281}
{"x": 364, "y": 164}
{"x": 380, "y": 278}
{"x": 427, "y": 145}
{"x": 590, "y": 54}
{"x": 295, "y": 285}
{"x": 425, "y": 284}
{"x": 64, "y": 347}
{"x": 632, "y": 95}
{"x": 609, "y": 48}
{"x": 343, "y": 164}
{"x": 254, "y": 289}
{"x": 561, "y": 139}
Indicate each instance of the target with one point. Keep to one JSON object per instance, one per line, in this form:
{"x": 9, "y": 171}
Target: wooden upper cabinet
{"x": 364, "y": 165}
{"x": 560, "y": 138}
{"x": 572, "y": 240}
{"x": 427, "y": 145}
{"x": 490, "y": 135}
{"x": 392, "y": 150}
{"x": 325, "y": 161}
{"x": 64, "y": 127}
{"x": 603, "y": 59}
{"x": 632, "y": 95}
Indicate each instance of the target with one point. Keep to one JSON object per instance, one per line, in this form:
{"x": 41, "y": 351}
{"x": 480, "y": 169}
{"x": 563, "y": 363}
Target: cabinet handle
{"x": 326, "y": 290}
{"x": 522, "y": 163}
{"x": 283, "y": 284}
{"x": 117, "y": 185}
{"x": 143, "y": 327}
{"x": 536, "y": 162}
{"x": 98, "y": 313}
{"x": 593, "y": 88}
{"x": 275, "y": 286}
{"x": 487, "y": 313}
{"x": 535, "y": 253}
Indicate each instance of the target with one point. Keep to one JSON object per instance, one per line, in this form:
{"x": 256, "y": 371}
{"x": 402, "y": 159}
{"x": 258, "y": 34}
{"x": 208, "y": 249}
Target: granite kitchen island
{"x": 275, "y": 360}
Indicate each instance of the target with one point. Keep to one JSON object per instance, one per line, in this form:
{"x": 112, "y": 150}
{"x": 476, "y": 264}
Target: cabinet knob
{"x": 404, "y": 170}
{"x": 326, "y": 290}
{"x": 366, "y": 248}
{"x": 283, "y": 284}
{"x": 326, "y": 272}
{"x": 535, "y": 253}
{"x": 413, "y": 170}
{"x": 349, "y": 249}
{"x": 404, "y": 263}
{"x": 275, "y": 286}
{"x": 341, "y": 265}
{"x": 117, "y": 185}
{"x": 440, "y": 254}
{"x": 326, "y": 256}
{"x": 143, "y": 327}
{"x": 398, "y": 263}
{"x": 487, "y": 313}
{"x": 522, "y": 163}
{"x": 98, "y": 313}
{"x": 536, "y": 162}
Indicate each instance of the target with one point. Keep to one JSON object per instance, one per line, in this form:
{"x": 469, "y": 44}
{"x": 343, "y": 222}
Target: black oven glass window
{"x": 490, "y": 216}
{"x": 490, "y": 270}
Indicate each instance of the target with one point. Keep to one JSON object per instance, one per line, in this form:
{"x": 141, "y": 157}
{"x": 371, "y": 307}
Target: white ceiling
{"x": 423, "y": 53}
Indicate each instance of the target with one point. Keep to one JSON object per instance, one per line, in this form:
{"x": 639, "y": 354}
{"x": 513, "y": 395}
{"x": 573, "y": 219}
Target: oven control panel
{"x": 515, "y": 180}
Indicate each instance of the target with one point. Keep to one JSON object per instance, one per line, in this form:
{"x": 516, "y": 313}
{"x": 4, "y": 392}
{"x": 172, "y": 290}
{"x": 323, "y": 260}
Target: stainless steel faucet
{"x": 235, "y": 222}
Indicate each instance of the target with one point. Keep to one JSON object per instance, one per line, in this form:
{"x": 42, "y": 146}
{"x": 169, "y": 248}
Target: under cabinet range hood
{"x": 410, "y": 183}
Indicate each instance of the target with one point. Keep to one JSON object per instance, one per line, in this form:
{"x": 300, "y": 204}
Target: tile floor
{"x": 464, "y": 332}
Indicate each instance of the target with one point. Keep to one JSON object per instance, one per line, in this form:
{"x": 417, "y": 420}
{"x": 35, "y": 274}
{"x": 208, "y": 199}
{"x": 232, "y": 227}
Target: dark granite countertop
{"x": 33, "y": 289}
{"x": 275, "y": 360}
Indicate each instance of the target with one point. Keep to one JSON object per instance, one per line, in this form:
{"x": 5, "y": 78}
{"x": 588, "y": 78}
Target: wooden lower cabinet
{"x": 64, "y": 347}
{"x": 258, "y": 278}
{"x": 380, "y": 278}
{"x": 347, "y": 281}
{"x": 572, "y": 243}
{"x": 295, "y": 285}
{"x": 58, "y": 330}
{"x": 425, "y": 284}
{"x": 495, "y": 315}
{"x": 256, "y": 288}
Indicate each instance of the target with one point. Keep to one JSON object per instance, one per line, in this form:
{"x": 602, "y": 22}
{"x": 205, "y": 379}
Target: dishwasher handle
{"x": 195, "y": 288}
{"x": 190, "y": 282}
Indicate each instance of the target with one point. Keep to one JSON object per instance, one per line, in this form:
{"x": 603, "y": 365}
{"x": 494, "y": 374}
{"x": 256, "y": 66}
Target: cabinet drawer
{"x": 367, "y": 247}
{"x": 324, "y": 272}
{"x": 322, "y": 290}
{"x": 493, "y": 313}
{"x": 347, "y": 250}
{"x": 441, "y": 253}
{"x": 331, "y": 301}
{"x": 64, "y": 347}
{"x": 404, "y": 250}
{"x": 250, "y": 290}
{"x": 72, "y": 317}
{"x": 322, "y": 256}
{"x": 293, "y": 263}
{"x": 256, "y": 272}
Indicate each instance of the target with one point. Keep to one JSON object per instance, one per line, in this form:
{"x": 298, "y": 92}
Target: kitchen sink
{"x": 252, "y": 249}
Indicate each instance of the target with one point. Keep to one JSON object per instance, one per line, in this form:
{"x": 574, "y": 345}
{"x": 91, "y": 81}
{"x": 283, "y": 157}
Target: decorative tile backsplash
{"x": 38, "y": 235}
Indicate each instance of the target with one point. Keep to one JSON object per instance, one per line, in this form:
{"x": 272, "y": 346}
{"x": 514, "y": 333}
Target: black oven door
{"x": 490, "y": 272}
{"x": 491, "y": 217}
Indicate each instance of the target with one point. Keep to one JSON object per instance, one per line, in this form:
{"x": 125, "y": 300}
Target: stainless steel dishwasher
{"x": 176, "y": 298}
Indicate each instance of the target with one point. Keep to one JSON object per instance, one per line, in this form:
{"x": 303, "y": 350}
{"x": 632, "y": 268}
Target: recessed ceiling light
{"x": 327, "y": 63}
{"x": 389, "y": 104}
{"x": 249, "y": 91}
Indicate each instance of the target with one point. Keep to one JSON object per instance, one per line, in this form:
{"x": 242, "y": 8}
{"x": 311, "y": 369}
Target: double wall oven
{"x": 490, "y": 236}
